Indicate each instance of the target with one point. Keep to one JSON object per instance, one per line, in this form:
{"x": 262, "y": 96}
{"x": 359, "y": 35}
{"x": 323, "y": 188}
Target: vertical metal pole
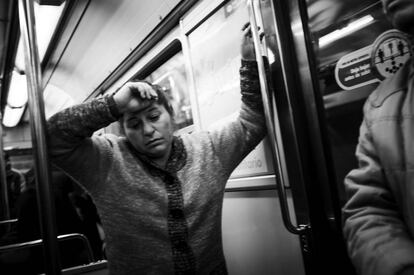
{"x": 38, "y": 131}
{"x": 272, "y": 131}
{"x": 4, "y": 195}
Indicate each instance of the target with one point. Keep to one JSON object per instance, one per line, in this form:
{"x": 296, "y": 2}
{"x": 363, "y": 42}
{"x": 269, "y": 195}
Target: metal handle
{"x": 4, "y": 198}
{"x": 270, "y": 110}
{"x": 17, "y": 246}
{"x": 8, "y": 221}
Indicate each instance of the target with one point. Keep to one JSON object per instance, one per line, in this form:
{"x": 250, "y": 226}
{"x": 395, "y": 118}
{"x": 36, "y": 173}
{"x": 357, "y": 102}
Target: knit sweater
{"x": 158, "y": 220}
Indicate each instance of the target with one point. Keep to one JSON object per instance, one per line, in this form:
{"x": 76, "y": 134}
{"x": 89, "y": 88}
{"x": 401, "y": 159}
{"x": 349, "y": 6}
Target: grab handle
{"x": 270, "y": 110}
{"x": 81, "y": 237}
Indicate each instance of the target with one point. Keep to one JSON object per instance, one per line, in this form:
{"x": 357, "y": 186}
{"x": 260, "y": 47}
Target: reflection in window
{"x": 171, "y": 76}
{"x": 215, "y": 58}
{"x": 47, "y": 18}
{"x": 344, "y": 30}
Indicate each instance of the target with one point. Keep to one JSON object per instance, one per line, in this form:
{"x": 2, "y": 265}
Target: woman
{"x": 159, "y": 196}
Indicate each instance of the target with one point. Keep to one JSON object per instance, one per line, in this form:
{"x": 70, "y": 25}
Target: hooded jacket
{"x": 379, "y": 215}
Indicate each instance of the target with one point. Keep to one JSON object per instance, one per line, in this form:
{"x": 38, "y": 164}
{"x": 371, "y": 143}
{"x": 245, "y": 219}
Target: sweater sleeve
{"x": 233, "y": 141}
{"x": 72, "y": 147}
{"x": 377, "y": 238}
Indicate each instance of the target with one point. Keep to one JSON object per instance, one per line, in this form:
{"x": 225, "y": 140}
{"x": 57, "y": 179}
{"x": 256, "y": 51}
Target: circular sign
{"x": 390, "y": 51}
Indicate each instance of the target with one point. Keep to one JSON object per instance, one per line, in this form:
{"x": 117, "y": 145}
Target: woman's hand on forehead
{"x": 143, "y": 90}
{"x": 134, "y": 96}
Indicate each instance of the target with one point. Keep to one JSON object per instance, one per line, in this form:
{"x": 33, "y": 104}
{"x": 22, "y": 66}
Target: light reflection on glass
{"x": 171, "y": 76}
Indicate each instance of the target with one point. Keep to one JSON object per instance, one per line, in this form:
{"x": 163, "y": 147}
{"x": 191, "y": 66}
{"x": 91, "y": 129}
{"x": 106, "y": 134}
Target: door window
{"x": 215, "y": 54}
{"x": 353, "y": 53}
{"x": 171, "y": 76}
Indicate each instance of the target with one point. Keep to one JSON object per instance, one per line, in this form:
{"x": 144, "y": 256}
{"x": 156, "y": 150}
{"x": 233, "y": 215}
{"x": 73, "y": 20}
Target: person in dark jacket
{"x": 27, "y": 228}
{"x": 15, "y": 185}
{"x": 379, "y": 213}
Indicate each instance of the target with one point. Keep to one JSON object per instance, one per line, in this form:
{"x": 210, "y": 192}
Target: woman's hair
{"x": 163, "y": 98}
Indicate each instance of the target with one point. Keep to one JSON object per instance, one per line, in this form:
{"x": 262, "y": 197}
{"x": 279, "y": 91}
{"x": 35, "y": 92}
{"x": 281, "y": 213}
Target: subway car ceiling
{"x": 95, "y": 42}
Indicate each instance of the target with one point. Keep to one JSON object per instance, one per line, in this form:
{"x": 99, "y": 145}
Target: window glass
{"x": 171, "y": 76}
{"x": 46, "y": 18}
{"x": 350, "y": 40}
{"x": 215, "y": 56}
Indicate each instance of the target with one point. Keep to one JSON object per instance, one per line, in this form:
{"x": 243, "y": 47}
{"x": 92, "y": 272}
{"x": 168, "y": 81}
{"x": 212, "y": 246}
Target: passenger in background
{"x": 379, "y": 213}
{"x": 67, "y": 219}
{"x": 159, "y": 196}
{"x": 91, "y": 221}
{"x": 27, "y": 228}
{"x": 16, "y": 183}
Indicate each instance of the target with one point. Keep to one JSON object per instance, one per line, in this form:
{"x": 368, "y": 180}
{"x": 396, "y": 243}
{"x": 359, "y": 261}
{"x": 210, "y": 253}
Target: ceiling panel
{"x": 105, "y": 36}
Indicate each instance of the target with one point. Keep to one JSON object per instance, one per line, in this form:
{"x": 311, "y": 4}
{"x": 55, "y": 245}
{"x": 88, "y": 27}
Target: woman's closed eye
{"x": 154, "y": 116}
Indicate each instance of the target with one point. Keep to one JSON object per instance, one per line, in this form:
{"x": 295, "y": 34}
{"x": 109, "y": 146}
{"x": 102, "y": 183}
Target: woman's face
{"x": 150, "y": 131}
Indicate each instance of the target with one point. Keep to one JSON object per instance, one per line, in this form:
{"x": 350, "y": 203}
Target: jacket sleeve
{"x": 72, "y": 146}
{"x": 377, "y": 238}
{"x": 233, "y": 141}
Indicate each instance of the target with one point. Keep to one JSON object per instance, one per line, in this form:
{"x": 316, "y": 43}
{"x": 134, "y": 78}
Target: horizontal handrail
{"x": 89, "y": 268}
{"x": 17, "y": 246}
{"x": 8, "y": 221}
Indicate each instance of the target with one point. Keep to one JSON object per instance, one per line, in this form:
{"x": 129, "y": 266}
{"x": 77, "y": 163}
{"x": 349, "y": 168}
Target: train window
{"x": 47, "y": 18}
{"x": 215, "y": 55}
{"x": 345, "y": 34}
{"x": 172, "y": 77}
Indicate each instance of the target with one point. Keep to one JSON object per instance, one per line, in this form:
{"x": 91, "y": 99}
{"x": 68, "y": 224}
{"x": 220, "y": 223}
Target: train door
{"x": 288, "y": 70}
{"x": 351, "y": 49}
{"x": 333, "y": 55}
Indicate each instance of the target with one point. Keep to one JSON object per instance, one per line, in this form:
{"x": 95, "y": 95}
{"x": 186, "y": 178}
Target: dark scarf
{"x": 183, "y": 256}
